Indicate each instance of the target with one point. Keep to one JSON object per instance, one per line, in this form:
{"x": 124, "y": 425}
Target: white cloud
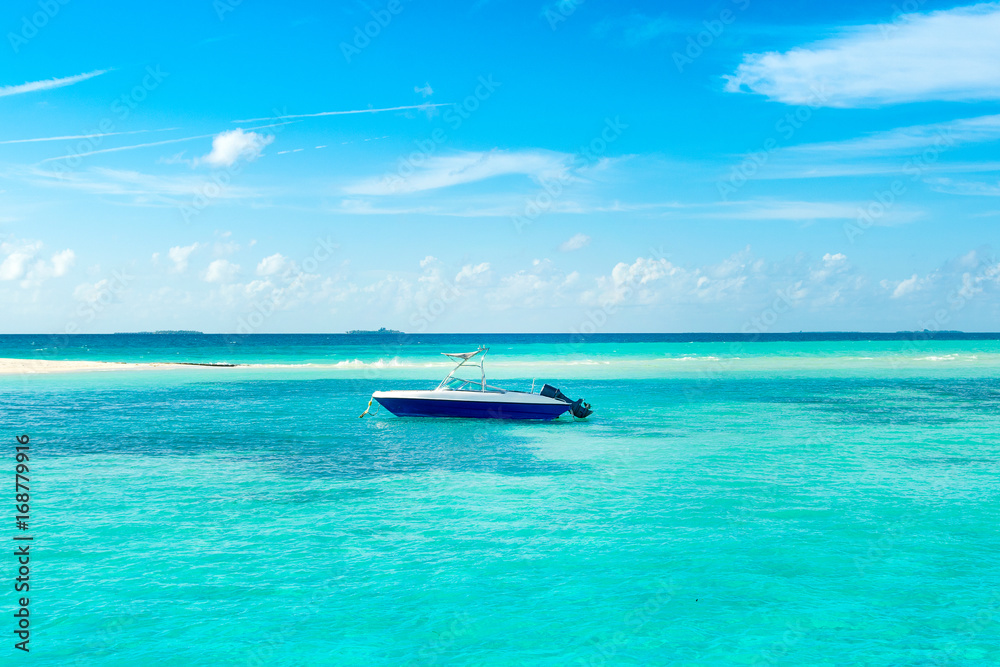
{"x": 48, "y": 84}
{"x": 92, "y": 292}
{"x": 179, "y": 256}
{"x": 221, "y": 270}
{"x": 741, "y": 281}
{"x": 575, "y": 242}
{"x": 21, "y": 261}
{"x": 18, "y": 257}
{"x": 446, "y": 171}
{"x": 833, "y": 264}
{"x": 642, "y": 271}
{"x": 62, "y": 262}
{"x": 229, "y": 147}
{"x": 272, "y": 264}
{"x": 542, "y": 286}
{"x": 424, "y": 90}
{"x": 944, "y": 55}
{"x": 469, "y": 273}
{"x": 419, "y": 297}
{"x": 908, "y": 286}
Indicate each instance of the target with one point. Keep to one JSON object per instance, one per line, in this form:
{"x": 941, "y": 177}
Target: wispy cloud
{"x": 919, "y": 57}
{"x": 575, "y": 242}
{"x": 48, "y": 84}
{"x": 786, "y": 210}
{"x": 71, "y": 137}
{"x": 125, "y": 148}
{"x": 344, "y": 113}
{"x": 912, "y": 150}
{"x": 141, "y": 188}
{"x": 974, "y": 188}
{"x": 150, "y": 144}
{"x": 468, "y": 167}
{"x": 796, "y": 211}
{"x": 636, "y": 28}
{"x": 908, "y": 139}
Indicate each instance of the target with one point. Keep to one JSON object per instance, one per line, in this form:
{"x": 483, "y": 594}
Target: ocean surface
{"x": 784, "y": 500}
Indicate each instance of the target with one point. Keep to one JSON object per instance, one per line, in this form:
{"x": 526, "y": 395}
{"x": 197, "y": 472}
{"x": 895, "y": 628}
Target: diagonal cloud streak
{"x": 345, "y": 113}
{"x": 148, "y": 145}
{"x": 47, "y": 84}
{"x": 70, "y": 137}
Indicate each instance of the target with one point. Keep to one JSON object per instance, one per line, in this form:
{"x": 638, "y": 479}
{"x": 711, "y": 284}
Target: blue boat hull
{"x": 421, "y": 407}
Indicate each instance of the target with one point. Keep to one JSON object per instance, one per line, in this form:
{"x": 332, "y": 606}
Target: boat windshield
{"x": 453, "y": 383}
{"x": 458, "y": 384}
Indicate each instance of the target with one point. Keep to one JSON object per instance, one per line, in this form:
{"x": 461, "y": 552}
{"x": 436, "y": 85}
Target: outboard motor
{"x": 578, "y": 408}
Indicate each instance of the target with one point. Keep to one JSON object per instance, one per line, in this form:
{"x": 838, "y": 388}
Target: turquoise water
{"x": 780, "y": 503}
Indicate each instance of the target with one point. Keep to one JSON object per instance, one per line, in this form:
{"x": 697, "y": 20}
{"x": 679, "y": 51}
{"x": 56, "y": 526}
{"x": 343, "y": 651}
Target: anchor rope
{"x": 369, "y": 408}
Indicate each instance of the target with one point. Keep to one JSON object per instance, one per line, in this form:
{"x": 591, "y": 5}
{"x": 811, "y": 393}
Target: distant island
{"x": 151, "y": 333}
{"x": 383, "y": 330}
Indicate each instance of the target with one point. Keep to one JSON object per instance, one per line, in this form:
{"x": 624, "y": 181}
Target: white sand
{"x": 31, "y": 366}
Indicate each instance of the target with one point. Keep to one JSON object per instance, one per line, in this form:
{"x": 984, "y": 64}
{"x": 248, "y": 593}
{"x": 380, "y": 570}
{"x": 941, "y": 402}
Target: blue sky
{"x": 744, "y": 165}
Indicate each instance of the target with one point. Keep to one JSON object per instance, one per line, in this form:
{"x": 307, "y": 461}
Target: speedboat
{"x": 457, "y": 397}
